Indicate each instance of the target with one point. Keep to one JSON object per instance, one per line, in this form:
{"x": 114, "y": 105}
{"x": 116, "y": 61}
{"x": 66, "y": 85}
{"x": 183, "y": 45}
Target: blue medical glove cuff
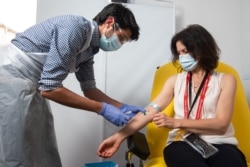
{"x": 114, "y": 115}
{"x": 131, "y": 110}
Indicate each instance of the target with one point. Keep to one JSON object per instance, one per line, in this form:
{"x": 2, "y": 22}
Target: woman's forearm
{"x": 137, "y": 123}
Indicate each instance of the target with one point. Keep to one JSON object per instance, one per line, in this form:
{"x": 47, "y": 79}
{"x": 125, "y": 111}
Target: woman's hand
{"x": 162, "y": 120}
{"x": 109, "y": 146}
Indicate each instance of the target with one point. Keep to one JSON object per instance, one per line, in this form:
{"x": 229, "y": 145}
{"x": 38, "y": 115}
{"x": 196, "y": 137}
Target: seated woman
{"x": 201, "y": 134}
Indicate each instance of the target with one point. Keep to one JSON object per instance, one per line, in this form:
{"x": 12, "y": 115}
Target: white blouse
{"x": 208, "y": 109}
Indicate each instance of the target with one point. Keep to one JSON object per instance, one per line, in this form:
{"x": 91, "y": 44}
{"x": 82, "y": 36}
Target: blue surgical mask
{"x": 187, "y": 62}
{"x": 110, "y": 44}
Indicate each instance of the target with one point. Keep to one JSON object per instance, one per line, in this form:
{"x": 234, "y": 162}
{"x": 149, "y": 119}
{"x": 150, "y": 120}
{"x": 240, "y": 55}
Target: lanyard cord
{"x": 190, "y": 92}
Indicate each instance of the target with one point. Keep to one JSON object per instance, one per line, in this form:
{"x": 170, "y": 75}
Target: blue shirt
{"x": 61, "y": 38}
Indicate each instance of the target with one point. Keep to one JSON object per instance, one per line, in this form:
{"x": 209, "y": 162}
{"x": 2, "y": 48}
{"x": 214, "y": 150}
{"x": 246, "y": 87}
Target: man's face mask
{"x": 187, "y": 62}
{"x": 110, "y": 41}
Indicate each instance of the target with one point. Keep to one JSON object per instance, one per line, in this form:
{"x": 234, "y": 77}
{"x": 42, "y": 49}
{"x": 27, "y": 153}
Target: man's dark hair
{"x": 122, "y": 15}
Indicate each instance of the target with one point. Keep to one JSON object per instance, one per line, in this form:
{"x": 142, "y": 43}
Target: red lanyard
{"x": 202, "y": 90}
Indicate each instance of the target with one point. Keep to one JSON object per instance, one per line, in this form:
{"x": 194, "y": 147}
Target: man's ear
{"x": 110, "y": 21}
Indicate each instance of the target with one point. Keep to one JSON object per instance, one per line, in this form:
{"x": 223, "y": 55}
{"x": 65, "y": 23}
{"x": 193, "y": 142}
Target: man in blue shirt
{"x": 32, "y": 69}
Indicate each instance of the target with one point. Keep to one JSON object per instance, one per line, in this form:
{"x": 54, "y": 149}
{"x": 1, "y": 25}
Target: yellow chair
{"x": 157, "y": 137}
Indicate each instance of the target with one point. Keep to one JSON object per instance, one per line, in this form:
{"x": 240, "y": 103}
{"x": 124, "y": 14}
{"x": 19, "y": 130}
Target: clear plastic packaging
{"x": 204, "y": 148}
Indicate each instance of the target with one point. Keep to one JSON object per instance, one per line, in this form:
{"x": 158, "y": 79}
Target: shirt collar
{"x": 95, "y": 41}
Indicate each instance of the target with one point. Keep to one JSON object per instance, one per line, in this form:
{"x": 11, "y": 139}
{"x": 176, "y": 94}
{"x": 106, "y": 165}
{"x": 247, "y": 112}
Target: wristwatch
{"x": 155, "y": 106}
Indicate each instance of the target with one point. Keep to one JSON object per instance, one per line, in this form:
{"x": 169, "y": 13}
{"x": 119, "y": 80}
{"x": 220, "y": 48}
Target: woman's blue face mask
{"x": 187, "y": 62}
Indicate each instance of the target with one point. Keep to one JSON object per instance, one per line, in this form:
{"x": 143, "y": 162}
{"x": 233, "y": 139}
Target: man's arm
{"x": 66, "y": 97}
{"x": 98, "y": 95}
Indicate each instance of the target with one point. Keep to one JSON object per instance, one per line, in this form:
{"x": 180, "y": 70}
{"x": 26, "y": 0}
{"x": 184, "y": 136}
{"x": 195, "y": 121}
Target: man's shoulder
{"x": 66, "y": 17}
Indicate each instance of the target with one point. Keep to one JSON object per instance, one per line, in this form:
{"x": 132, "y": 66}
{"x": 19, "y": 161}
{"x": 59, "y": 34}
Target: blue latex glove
{"x": 131, "y": 110}
{"x": 114, "y": 115}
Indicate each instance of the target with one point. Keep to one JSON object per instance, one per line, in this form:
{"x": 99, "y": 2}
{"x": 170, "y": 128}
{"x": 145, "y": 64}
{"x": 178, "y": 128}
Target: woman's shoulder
{"x": 225, "y": 78}
{"x": 179, "y": 75}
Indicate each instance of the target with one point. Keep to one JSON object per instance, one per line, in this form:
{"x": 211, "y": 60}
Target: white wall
{"x": 245, "y": 43}
{"x": 23, "y": 17}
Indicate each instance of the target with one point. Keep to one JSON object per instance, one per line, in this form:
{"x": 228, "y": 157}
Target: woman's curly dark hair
{"x": 200, "y": 44}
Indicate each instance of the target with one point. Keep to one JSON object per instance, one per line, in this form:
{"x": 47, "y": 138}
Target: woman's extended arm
{"x": 110, "y": 145}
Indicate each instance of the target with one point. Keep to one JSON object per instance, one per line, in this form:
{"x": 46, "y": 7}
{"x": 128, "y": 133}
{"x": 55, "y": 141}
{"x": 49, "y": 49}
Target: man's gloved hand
{"x": 131, "y": 110}
{"x": 114, "y": 115}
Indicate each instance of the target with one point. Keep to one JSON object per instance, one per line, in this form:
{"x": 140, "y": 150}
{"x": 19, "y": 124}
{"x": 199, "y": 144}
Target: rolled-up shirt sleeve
{"x": 85, "y": 75}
